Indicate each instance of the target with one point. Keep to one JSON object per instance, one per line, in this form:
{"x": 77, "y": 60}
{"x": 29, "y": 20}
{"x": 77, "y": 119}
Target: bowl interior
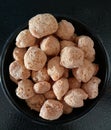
{"x": 9, "y": 87}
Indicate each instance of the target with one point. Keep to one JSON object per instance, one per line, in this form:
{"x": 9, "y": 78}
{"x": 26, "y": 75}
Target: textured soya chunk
{"x": 51, "y": 110}
{"x": 65, "y": 30}
{"x": 73, "y": 83}
{"x": 34, "y": 58}
{"x": 75, "y": 97}
{"x": 18, "y": 53}
{"x": 42, "y": 87}
{"x": 25, "y": 39}
{"x": 54, "y": 69}
{"x": 86, "y": 44}
{"x": 25, "y": 89}
{"x": 18, "y": 71}
{"x": 50, "y": 45}
{"x": 91, "y": 87}
{"x": 65, "y": 43}
{"x": 36, "y": 102}
{"x": 60, "y": 87}
{"x": 40, "y": 75}
{"x": 50, "y": 95}
{"x": 85, "y": 72}
{"x": 71, "y": 57}
{"x": 42, "y": 25}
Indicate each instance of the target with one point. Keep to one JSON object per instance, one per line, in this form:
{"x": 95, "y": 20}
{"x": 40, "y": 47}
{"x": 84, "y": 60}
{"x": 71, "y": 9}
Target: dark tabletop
{"x": 97, "y": 16}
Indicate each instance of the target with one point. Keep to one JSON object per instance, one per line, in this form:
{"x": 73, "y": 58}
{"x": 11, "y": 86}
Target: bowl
{"x": 9, "y": 87}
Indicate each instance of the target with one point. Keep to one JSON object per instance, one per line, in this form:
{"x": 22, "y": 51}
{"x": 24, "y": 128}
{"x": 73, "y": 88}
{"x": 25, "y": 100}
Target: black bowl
{"x": 9, "y": 87}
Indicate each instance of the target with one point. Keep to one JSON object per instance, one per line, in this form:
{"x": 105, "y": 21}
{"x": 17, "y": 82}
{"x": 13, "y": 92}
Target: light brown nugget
{"x": 96, "y": 66}
{"x": 85, "y": 72}
{"x": 50, "y": 45}
{"x": 50, "y": 95}
{"x": 18, "y": 53}
{"x": 73, "y": 83}
{"x": 51, "y": 110}
{"x": 18, "y": 71}
{"x": 34, "y": 58}
{"x": 40, "y": 75}
{"x": 91, "y": 87}
{"x": 75, "y": 97}
{"x": 42, "y": 87}
{"x": 25, "y": 39}
{"x": 65, "y": 30}
{"x": 66, "y": 108}
{"x": 25, "y": 89}
{"x": 54, "y": 69}
{"x": 71, "y": 57}
{"x": 36, "y": 102}
{"x": 42, "y": 25}
{"x": 87, "y": 44}
{"x": 60, "y": 88}
{"x": 65, "y": 43}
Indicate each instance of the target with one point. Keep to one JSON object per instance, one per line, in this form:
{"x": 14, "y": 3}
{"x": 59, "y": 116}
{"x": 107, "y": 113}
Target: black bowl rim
{"x": 7, "y": 94}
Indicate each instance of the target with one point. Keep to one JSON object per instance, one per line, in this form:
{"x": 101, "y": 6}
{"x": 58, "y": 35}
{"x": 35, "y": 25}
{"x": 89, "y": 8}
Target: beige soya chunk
{"x": 34, "y": 58}
{"x": 71, "y": 57}
{"x": 87, "y": 45}
{"x": 50, "y": 45}
{"x": 85, "y": 72}
{"x": 51, "y": 109}
{"x": 96, "y": 68}
{"x": 42, "y": 87}
{"x": 60, "y": 87}
{"x": 66, "y": 108}
{"x": 75, "y": 97}
{"x": 18, "y": 71}
{"x": 54, "y": 69}
{"x": 65, "y": 30}
{"x": 73, "y": 83}
{"x": 42, "y": 25}
{"x": 49, "y": 95}
{"x": 25, "y": 39}
{"x": 91, "y": 87}
{"x": 40, "y": 75}
{"x": 36, "y": 102}
{"x": 65, "y": 43}
{"x": 18, "y": 53}
{"x": 25, "y": 89}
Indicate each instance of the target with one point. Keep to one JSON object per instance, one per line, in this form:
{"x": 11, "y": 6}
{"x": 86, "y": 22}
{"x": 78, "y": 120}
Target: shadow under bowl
{"x": 9, "y": 87}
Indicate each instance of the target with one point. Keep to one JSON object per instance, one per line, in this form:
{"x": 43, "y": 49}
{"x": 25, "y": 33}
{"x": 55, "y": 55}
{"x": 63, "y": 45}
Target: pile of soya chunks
{"x": 54, "y": 68}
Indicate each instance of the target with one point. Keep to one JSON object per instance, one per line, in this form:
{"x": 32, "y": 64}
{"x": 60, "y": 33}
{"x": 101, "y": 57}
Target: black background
{"x": 97, "y": 16}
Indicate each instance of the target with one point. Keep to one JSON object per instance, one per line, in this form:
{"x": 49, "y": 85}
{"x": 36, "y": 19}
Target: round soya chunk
{"x": 42, "y": 25}
{"x": 25, "y": 89}
{"x": 85, "y": 72}
{"x": 51, "y": 110}
{"x": 54, "y": 69}
{"x": 40, "y": 75}
{"x": 25, "y": 39}
{"x": 91, "y": 87}
{"x": 18, "y": 53}
{"x": 75, "y": 97}
{"x": 50, "y": 45}
{"x": 65, "y": 30}
{"x": 71, "y": 57}
{"x": 60, "y": 88}
{"x": 35, "y": 102}
{"x": 42, "y": 87}
{"x": 34, "y": 58}
{"x": 18, "y": 71}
